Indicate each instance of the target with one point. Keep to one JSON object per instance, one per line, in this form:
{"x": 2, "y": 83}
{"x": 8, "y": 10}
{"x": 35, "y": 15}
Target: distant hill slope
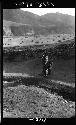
{"x": 45, "y": 24}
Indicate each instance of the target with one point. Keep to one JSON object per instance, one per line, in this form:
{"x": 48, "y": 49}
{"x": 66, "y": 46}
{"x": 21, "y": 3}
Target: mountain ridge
{"x": 45, "y": 24}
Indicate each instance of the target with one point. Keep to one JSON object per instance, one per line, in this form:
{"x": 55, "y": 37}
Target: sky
{"x": 42, "y": 11}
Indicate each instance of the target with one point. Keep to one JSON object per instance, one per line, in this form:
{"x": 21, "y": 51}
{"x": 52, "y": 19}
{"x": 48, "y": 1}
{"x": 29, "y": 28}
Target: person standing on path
{"x": 47, "y": 64}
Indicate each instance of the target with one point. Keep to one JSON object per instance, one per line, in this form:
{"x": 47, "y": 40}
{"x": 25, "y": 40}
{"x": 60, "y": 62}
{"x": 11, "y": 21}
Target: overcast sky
{"x": 42, "y": 11}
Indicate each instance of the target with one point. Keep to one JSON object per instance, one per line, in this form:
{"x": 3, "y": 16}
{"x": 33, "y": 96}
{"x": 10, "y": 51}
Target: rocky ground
{"x": 24, "y": 102}
{"x": 10, "y": 41}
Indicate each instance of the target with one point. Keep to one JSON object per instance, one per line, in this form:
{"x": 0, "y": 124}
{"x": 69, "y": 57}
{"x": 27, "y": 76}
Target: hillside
{"x": 26, "y": 92}
{"x": 46, "y": 24}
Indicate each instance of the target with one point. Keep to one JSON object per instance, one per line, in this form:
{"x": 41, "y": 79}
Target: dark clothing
{"x": 47, "y": 66}
{"x": 44, "y": 60}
